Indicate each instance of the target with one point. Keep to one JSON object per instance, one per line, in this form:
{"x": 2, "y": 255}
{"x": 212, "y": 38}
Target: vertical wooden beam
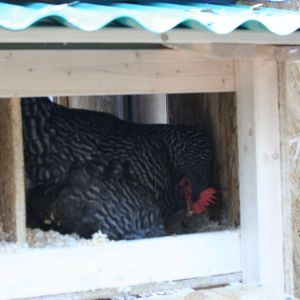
{"x": 289, "y": 74}
{"x": 12, "y": 191}
{"x": 260, "y": 172}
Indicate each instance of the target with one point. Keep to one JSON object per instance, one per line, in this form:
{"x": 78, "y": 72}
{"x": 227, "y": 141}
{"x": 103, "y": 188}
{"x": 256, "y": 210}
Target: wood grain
{"x": 12, "y": 190}
{"x": 260, "y": 172}
{"x": 176, "y": 36}
{"x": 111, "y": 72}
{"x": 290, "y": 128}
{"x": 216, "y": 113}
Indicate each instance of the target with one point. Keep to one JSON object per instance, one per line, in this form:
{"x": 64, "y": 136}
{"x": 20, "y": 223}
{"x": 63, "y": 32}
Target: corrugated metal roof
{"x": 154, "y": 17}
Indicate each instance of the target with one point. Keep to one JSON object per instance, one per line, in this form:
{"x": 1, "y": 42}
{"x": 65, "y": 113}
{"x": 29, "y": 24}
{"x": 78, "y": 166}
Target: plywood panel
{"x": 12, "y": 190}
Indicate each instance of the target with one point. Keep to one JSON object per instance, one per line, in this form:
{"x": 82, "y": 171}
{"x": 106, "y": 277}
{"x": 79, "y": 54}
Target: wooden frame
{"x": 114, "y": 268}
{"x": 136, "y": 36}
{"x": 12, "y": 190}
{"x": 95, "y": 72}
{"x": 260, "y": 177}
{"x": 255, "y": 80}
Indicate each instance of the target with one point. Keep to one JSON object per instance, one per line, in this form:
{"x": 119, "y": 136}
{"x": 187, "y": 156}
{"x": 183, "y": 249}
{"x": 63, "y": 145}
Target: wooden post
{"x": 12, "y": 191}
{"x": 290, "y": 143}
{"x": 260, "y": 172}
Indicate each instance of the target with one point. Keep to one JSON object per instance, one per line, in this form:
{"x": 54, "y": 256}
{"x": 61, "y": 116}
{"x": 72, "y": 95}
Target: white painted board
{"x": 118, "y": 264}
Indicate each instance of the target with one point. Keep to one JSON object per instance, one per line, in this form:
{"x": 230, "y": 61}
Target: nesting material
{"x": 176, "y": 294}
{"x": 37, "y": 238}
{"x": 236, "y": 292}
{"x": 180, "y": 223}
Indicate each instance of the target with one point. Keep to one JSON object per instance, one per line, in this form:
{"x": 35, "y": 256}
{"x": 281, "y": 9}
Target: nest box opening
{"x": 215, "y": 114}
{"x": 173, "y": 253}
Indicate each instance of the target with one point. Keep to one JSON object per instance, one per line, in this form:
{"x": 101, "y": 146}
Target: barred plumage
{"x": 87, "y": 171}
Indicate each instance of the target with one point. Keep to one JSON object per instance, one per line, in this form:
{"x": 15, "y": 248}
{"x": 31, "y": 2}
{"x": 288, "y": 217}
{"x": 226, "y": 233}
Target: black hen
{"x": 88, "y": 171}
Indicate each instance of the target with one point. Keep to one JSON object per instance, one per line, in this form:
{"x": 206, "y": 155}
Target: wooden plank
{"x": 260, "y": 173}
{"x": 108, "y": 72}
{"x": 61, "y": 100}
{"x": 130, "y": 35}
{"x": 109, "y": 104}
{"x": 226, "y": 50}
{"x": 12, "y": 191}
{"x": 153, "y": 288}
{"x": 116, "y": 105}
{"x": 234, "y": 293}
{"x": 118, "y": 266}
{"x": 290, "y": 142}
{"x": 150, "y": 109}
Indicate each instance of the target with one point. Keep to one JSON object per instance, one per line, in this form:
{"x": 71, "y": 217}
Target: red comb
{"x": 206, "y": 198}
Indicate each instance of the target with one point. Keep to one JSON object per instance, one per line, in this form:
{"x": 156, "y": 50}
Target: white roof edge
{"x": 138, "y": 36}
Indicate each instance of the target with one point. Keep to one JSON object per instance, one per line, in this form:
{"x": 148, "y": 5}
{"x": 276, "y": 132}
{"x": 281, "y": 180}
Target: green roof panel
{"x": 154, "y": 17}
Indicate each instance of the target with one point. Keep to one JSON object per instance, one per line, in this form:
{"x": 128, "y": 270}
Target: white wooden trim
{"x": 260, "y": 174}
{"x": 120, "y": 265}
{"x": 130, "y": 35}
{"x": 232, "y": 50}
{"x": 111, "y": 72}
{"x": 210, "y": 283}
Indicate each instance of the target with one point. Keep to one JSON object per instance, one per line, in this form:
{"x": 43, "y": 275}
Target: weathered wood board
{"x": 290, "y": 120}
{"x": 12, "y": 190}
{"x": 116, "y": 105}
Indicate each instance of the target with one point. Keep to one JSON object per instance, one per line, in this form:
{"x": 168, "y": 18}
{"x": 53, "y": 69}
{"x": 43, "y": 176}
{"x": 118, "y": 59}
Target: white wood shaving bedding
{"x": 175, "y": 294}
{"x": 37, "y": 239}
{"x": 238, "y": 292}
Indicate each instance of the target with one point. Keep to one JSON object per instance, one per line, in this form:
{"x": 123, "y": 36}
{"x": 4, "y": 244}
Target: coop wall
{"x": 216, "y": 113}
